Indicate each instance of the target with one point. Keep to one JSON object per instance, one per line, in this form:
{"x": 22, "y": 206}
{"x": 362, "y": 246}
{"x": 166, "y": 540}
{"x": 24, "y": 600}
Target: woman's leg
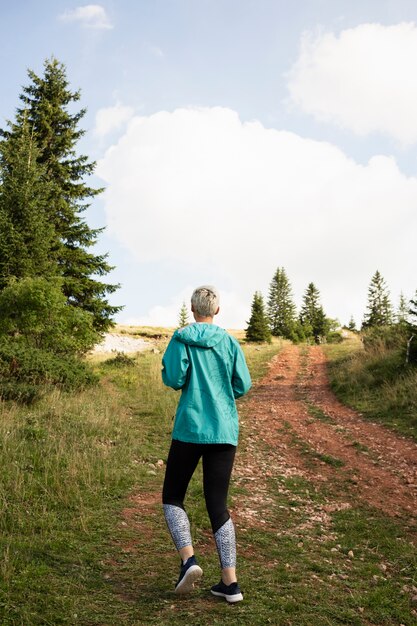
{"x": 182, "y": 460}
{"x": 217, "y": 468}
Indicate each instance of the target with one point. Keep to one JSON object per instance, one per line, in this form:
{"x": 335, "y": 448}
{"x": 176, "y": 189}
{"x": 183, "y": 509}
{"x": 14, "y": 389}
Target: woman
{"x": 209, "y": 367}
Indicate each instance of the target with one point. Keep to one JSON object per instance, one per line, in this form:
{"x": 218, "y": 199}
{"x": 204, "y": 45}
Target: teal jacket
{"x": 209, "y": 367}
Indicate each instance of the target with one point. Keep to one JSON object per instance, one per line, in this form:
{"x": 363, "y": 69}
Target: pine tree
{"x": 281, "y": 308}
{"x": 56, "y": 131}
{"x": 312, "y": 316}
{"x": 352, "y": 324}
{"x": 402, "y": 313}
{"x": 379, "y": 307}
{"x": 258, "y": 326}
{"x": 26, "y": 234}
{"x": 183, "y": 316}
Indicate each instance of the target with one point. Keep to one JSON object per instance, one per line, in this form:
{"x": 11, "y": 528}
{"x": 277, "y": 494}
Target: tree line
{"x": 278, "y": 317}
{"x": 53, "y": 299}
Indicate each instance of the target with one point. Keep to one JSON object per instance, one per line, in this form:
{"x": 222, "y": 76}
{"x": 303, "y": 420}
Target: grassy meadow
{"x": 77, "y": 549}
{"x": 376, "y": 382}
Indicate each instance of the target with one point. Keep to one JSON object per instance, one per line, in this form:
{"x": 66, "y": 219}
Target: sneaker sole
{"x": 191, "y": 576}
{"x": 237, "y": 597}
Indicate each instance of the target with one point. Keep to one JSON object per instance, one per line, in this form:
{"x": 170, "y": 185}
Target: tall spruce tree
{"x": 312, "y": 316}
{"x": 379, "y": 307}
{"x": 281, "y": 307}
{"x": 26, "y": 234}
{"x": 258, "y": 326}
{"x": 56, "y": 132}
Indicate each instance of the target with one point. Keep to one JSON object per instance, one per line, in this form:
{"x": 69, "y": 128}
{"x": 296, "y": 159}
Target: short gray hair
{"x": 205, "y": 301}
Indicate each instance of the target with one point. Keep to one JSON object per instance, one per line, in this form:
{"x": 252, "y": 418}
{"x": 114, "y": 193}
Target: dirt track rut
{"x": 309, "y": 433}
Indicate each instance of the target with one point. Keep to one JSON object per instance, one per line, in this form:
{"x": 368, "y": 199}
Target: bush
{"x": 20, "y": 392}
{"x": 300, "y": 332}
{"x": 41, "y": 340}
{"x": 36, "y": 309}
{"x": 120, "y": 360}
{"x": 334, "y": 337}
{"x": 386, "y": 338}
{"x": 27, "y": 372}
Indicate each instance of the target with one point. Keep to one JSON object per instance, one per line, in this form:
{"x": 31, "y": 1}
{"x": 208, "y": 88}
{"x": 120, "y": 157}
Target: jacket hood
{"x": 200, "y": 334}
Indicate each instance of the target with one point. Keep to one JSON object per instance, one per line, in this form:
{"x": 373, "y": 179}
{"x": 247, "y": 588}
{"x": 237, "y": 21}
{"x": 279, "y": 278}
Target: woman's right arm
{"x": 175, "y": 364}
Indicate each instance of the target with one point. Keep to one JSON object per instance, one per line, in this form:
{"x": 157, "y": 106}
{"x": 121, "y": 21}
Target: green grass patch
{"x": 360, "y": 447}
{"x": 258, "y": 356}
{"x": 329, "y": 459}
{"x": 377, "y": 383}
{"x": 69, "y": 555}
{"x": 318, "y": 413}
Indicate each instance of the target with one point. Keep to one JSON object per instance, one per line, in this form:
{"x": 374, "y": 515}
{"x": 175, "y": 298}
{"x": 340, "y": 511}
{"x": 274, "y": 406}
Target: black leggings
{"x": 218, "y": 461}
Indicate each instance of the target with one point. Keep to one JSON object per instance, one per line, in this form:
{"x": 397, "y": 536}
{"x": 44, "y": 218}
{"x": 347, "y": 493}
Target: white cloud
{"x": 112, "y": 118}
{"x": 363, "y": 80}
{"x": 156, "y": 51}
{"x": 89, "y": 16}
{"x": 236, "y": 200}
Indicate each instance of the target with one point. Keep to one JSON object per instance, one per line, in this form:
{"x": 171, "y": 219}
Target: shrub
{"x": 27, "y": 372}
{"x": 36, "y": 310}
{"x": 386, "y": 337}
{"x": 300, "y": 332}
{"x": 334, "y": 337}
{"x": 120, "y": 360}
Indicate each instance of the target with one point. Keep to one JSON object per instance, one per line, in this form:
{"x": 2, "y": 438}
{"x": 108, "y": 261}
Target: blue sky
{"x": 235, "y": 137}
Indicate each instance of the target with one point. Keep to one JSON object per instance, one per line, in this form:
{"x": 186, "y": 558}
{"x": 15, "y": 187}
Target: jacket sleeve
{"x": 175, "y": 364}
{"x": 241, "y": 380}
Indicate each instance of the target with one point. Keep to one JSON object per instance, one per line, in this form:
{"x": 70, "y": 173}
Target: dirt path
{"x": 302, "y": 456}
{"x": 308, "y": 433}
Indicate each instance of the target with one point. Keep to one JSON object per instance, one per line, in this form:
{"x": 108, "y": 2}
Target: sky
{"x": 234, "y": 137}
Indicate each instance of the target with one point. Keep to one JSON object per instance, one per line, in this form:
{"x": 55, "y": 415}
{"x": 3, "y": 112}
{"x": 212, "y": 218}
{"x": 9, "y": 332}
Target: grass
{"x": 377, "y": 383}
{"x": 318, "y": 413}
{"x": 258, "y": 356}
{"x": 77, "y": 548}
{"x": 147, "y": 332}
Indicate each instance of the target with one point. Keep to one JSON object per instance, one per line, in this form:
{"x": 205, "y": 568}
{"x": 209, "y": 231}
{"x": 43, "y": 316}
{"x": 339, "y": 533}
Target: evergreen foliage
{"x": 258, "y": 325}
{"x": 183, "y": 316}
{"x": 312, "y": 316}
{"x": 379, "y": 307}
{"x": 27, "y": 238}
{"x": 281, "y": 307}
{"x": 300, "y": 332}
{"x": 65, "y": 195}
{"x": 402, "y": 313}
{"x": 352, "y": 325}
